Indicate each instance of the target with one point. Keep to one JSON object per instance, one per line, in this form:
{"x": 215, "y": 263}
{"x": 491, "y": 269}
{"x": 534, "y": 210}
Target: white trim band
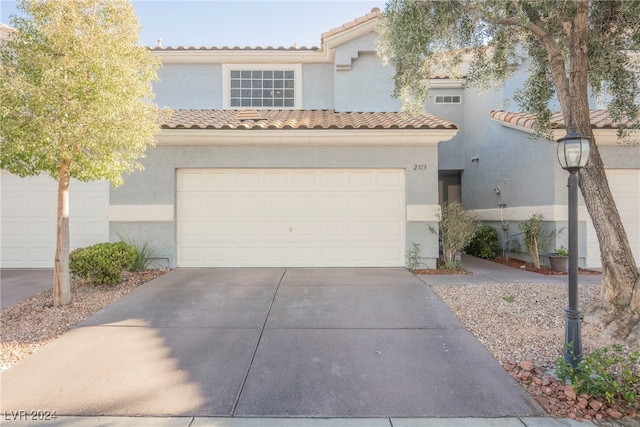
{"x": 307, "y": 137}
{"x": 522, "y": 213}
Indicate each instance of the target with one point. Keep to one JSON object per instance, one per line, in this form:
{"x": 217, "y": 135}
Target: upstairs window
{"x": 448, "y": 99}
{"x": 263, "y": 87}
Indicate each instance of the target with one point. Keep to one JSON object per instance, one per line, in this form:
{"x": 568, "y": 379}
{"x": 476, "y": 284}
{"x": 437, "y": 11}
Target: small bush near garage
{"x": 484, "y": 243}
{"x": 102, "y": 262}
{"x": 146, "y": 252}
{"x": 456, "y": 229}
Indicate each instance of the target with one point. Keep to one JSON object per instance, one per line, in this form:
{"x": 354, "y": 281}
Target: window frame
{"x": 226, "y": 84}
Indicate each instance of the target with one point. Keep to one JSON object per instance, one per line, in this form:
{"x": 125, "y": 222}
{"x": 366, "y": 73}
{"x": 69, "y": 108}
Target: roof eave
{"x": 306, "y": 137}
{"x": 603, "y": 136}
{"x": 199, "y": 56}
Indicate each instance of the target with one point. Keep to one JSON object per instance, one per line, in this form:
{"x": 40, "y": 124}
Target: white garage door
{"x": 290, "y": 217}
{"x": 29, "y": 207}
{"x": 625, "y": 188}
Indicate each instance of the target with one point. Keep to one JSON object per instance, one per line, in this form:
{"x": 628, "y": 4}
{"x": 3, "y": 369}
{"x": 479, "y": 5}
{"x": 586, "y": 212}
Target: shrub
{"x": 605, "y": 373}
{"x": 457, "y": 228}
{"x": 145, "y": 253}
{"x": 532, "y": 229}
{"x": 102, "y": 262}
{"x": 413, "y": 257}
{"x": 484, "y": 244}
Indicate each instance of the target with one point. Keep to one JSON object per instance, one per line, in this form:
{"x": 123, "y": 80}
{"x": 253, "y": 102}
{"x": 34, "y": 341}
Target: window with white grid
{"x": 266, "y": 87}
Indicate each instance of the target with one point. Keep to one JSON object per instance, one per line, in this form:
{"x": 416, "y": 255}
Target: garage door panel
{"x": 305, "y": 180}
{"x": 362, "y": 228}
{"x": 361, "y": 179}
{"x": 390, "y": 253}
{"x": 292, "y": 217}
{"x": 390, "y": 180}
{"x": 390, "y": 229}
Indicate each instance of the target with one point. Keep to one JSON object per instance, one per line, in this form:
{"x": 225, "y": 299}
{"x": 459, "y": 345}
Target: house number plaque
{"x": 422, "y": 167}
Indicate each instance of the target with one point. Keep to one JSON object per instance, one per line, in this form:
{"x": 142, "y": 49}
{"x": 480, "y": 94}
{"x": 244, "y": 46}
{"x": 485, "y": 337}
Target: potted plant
{"x": 559, "y": 259}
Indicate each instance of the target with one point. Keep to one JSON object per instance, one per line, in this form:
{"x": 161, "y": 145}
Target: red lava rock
{"x": 525, "y": 375}
{"x": 614, "y": 414}
{"x": 595, "y": 404}
{"x": 582, "y": 403}
{"x": 568, "y": 391}
{"x": 527, "y": 365}
{"x": 560, "y": 400}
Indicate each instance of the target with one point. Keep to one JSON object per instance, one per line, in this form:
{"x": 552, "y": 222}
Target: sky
{"x": 237, "y": 23}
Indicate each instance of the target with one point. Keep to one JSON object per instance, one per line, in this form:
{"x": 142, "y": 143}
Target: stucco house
{"x": 300, "y": 157}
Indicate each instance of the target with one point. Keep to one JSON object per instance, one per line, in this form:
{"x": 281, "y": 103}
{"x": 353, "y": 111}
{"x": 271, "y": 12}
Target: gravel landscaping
{"x": 521, "y": 325}
{"x": 32, "y": 323}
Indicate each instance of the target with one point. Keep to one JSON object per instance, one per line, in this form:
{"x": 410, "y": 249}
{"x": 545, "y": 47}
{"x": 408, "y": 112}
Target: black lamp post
{"x": 573, "y": 152}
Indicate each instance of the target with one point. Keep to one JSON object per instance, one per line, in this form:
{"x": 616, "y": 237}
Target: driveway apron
{"x": 270, "y": 342}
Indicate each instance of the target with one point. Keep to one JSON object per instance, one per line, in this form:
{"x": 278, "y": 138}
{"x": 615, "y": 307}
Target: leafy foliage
{"x": 102, "y": 262}
{"x": 562, "y": 251}
{"x": 457, "y": 228}
{"x": 413, "y": 257}
{"x": 484, "y": 244}
{"x": 607, "y": 373}
{"x": 532, "y": 229}
{"x": 422, "y": 38}
{"x": 74, "y": 87}
{"x": 145, "y": 253}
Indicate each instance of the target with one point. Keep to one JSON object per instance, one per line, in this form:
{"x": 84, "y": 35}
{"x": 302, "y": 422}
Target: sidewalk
{"x": 303, "y": 422}
{"x": 489, "y": 272}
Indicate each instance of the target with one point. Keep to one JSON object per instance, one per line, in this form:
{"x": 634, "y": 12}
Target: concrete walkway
{"x": 273, "y": 347}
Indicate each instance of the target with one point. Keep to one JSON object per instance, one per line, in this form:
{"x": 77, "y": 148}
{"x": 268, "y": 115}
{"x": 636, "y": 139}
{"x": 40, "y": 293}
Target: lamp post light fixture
{"x": 573, "y": 153}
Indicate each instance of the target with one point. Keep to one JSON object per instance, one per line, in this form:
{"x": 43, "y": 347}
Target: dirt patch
{"x": 441, "y": 270}
{"x": 523, "y": 265}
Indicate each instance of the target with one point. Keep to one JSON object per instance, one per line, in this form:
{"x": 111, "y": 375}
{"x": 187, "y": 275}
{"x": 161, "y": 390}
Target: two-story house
{"x": 301, "y": 157}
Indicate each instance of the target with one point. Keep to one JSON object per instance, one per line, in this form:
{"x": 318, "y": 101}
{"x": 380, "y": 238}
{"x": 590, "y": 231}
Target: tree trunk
{"x": 619, "y": 295}
{"x": 620, "y": 273}
{"x": 61, "y": 280}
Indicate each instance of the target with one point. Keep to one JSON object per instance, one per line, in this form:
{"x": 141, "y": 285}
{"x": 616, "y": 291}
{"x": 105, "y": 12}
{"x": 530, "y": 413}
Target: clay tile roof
{"x": 599, "y": 119}
{"x": 301, "y": 119}
{"x": 235, "y": 48}
{"x": 375, "y": 12}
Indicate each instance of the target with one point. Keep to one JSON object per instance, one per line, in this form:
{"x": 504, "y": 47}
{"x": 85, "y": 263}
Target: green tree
{"x": 573, "y": 45}
{"x": 74, "y": 91}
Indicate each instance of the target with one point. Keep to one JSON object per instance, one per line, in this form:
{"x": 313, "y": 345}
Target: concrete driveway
{"x": 17, "y": 284}
{"x": 270, "y": 342}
